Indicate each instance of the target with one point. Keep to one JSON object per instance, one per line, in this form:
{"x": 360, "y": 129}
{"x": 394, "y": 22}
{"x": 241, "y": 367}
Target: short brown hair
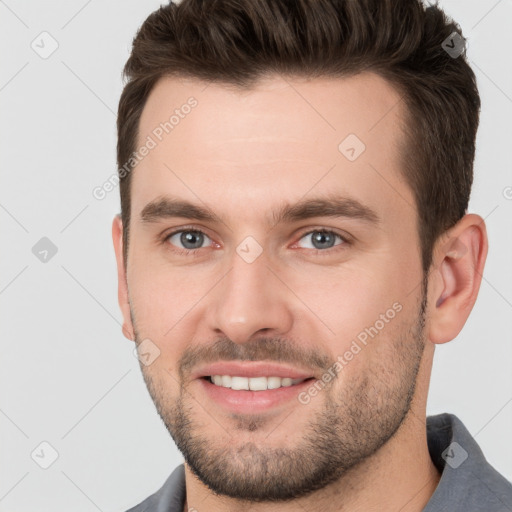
{"x": 237, "y": 42}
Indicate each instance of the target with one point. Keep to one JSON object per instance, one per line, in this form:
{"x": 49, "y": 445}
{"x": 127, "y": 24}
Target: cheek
{"x": 161, "y": 298}
{"x": 347, "y": 299}
{"x": 365, "y": 307}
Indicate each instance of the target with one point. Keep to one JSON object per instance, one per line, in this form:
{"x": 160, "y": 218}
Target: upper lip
{"x": 250, "y": 369}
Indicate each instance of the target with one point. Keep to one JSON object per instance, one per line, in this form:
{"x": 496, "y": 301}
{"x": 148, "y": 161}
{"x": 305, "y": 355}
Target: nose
{"x": 251, "y": 299}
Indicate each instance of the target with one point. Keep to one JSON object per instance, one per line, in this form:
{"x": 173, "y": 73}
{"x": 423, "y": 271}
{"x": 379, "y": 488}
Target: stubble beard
{"x": 351, "y": 426}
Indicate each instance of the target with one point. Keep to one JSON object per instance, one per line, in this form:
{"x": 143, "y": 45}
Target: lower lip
{"x": 246, "y": 401}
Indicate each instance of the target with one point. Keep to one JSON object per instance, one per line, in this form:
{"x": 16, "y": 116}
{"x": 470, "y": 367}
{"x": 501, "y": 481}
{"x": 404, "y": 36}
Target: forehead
{"x": 331, "y": 106}
{"x": 280, "y": 138}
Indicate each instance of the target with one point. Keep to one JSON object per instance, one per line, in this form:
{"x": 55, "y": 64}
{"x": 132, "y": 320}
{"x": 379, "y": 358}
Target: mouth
{"x": 250, "y": 387}
{"x": 259, "y": 383}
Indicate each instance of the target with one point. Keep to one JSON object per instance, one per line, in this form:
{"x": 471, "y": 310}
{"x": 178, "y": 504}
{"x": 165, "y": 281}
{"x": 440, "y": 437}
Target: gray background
{"x": 68, "y": 376}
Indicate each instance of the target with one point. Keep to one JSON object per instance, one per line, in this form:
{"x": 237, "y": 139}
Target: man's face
{"x": 253, "y": 295}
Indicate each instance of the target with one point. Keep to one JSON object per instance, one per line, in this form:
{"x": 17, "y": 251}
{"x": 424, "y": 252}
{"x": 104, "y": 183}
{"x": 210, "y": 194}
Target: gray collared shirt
{"x": 468, "y": 482}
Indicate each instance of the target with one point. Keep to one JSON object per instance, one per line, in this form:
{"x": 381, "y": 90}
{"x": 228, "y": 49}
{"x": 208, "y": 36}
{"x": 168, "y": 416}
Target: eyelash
{"x": 195, "y": 252}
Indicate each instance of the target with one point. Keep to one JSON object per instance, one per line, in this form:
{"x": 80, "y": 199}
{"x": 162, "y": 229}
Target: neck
{"x": 399, "y": 476}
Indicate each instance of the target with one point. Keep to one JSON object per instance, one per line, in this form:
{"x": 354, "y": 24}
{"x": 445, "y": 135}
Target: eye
{"x": 189, "y": 239}
{"x": 321, "y": 239}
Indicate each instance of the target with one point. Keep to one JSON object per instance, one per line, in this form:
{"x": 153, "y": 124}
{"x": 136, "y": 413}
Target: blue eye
{"x": 187, "y": 242}
{"x": 322, "y": 239}
{"x": 189, "y": 239}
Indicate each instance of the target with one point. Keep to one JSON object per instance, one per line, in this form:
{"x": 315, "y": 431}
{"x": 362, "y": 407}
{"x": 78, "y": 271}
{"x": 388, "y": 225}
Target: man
{"x": 293, "y": 243}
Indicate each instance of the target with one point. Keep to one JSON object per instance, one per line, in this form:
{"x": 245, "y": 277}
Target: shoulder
{"x": 169, "y": 498}
{"x": 468, "y": 481}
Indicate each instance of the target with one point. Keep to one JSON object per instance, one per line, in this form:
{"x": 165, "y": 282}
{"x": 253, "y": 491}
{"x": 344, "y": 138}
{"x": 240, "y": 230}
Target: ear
{"x": 456, "y": 274}
{"x": 122, "y": 286}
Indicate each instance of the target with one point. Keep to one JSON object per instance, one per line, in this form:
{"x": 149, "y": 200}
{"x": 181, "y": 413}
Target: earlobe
{"x": 456, "y": 278}
{"x": 122, "y": 290}
{"x": 128, "y": 334}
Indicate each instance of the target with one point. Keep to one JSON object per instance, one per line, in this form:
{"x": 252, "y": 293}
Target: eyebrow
{"x": 167, "y": 207}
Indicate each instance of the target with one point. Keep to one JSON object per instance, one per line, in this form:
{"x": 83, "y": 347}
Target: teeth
{"x": 273, "y": 382}
{"x": 253, "y": 383}
{"x": 239, "y": 382}
{"x": 257, "y": 383}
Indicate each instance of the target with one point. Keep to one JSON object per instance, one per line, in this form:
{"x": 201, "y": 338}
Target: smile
{"x": 253, "y": 383}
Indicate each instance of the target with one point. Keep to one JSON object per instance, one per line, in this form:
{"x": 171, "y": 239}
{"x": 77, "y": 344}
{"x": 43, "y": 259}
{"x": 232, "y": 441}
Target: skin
{"x": 244, "y": 154}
